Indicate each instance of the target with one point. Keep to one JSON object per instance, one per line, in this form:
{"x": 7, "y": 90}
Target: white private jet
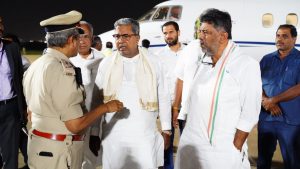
{"x": 254, "y": 22}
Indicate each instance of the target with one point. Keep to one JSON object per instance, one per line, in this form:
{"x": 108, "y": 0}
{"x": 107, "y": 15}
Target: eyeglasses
{"x": 205, "y": 62}
{"x": 123, "y": 36}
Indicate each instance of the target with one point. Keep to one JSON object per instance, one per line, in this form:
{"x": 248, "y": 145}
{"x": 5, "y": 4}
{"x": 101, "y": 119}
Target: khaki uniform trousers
{"x": 44, "y": 153}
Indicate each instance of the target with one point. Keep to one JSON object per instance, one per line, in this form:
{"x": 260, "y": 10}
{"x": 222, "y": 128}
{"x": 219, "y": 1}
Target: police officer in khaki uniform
{"x": 55, "y": 97}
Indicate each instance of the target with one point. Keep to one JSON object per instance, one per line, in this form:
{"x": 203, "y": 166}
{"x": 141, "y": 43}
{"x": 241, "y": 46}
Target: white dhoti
{"x": 202, "y": 155}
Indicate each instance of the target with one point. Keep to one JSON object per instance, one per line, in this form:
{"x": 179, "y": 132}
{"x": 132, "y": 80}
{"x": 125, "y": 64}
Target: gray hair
{"x": 89, "y": 25}
{"x": 60, "y": 38}
{"x": 129, "y": 21}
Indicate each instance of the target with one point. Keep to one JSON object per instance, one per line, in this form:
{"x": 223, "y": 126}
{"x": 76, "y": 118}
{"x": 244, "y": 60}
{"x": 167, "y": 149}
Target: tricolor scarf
{"x": 216, "y": 93}
{"x": 145, "y": 80}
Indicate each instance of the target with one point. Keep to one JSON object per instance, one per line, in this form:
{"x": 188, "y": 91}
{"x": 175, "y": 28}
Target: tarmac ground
{"x": 252, "y": 148}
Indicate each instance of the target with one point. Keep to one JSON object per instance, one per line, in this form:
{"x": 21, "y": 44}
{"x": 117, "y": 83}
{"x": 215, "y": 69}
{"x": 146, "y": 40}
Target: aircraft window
{"x": 292, "y": 19}
{"x": 147, "y": 16}
{"x": 175, "y": 13}
{"x": 161, "y": 13}
{"x": 267, "y": 20}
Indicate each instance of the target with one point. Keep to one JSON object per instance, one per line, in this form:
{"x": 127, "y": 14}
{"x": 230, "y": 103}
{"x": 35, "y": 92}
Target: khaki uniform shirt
{"x": 52, "y": 93}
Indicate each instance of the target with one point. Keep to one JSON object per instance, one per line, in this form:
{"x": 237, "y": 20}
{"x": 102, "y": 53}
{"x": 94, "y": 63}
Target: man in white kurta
{"x": 223, "y": 102}
{"x": 186, "y": 66}
{"x": 169, "y": 56}
{"x": 88, "y": 60}
{"x": 131, "y": 140}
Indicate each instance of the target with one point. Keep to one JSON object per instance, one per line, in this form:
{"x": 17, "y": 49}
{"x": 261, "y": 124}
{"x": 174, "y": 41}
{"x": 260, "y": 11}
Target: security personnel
{"x": 279, "y": 119}
{"x": 55, "y": 96}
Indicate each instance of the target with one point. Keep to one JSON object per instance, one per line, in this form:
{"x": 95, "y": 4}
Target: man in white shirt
{"x": 136, "y": 77}
{"x": 169, "y": 56}
{"x": 187, "y": 65}
{"x": 223, "y": 103}
{"x": 88, "y": 60}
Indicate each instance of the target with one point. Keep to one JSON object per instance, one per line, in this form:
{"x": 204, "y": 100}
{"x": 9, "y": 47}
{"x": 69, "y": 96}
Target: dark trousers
{"x": 23, "y": 144}
{"x": 9, "y": 134}
{"x": 168, "y": 154}
{"x": 288, "y": 137}
{"x": 1, "y": 163}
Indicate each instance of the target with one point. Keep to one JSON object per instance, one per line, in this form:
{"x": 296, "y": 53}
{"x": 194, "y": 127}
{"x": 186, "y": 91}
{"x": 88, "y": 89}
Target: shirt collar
{"x": 290, "y": 55}
{"x": 57, "y": 54}
{"x": 181, "y": 47}
{"x": 134, "y": 59}
{"x": 90, "y": 56}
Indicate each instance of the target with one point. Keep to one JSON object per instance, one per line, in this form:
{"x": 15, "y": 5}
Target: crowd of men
{"x": 90, "y": 108}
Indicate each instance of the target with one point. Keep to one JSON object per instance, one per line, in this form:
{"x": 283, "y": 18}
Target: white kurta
{"x": 238, "y": 108}
{"x": 89, "y": 67}
{"x": 185, "y": 69}
{"x": 169, "y": 60}
{"x": 131, "y": 139}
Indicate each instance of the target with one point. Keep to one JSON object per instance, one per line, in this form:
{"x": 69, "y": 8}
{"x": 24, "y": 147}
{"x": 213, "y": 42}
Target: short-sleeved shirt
{"x": 52, "y": 93}
{"x": 277, "y": 77}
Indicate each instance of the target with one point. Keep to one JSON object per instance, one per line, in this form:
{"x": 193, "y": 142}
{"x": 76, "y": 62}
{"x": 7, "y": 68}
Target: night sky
{"x": 22, "y": 17}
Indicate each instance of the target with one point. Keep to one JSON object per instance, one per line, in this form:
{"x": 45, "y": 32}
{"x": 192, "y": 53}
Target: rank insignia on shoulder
{"x": 67, "y": 67}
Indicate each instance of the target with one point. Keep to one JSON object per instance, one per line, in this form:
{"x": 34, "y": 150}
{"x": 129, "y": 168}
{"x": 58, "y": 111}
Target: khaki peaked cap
{"x": 62, "y": 22}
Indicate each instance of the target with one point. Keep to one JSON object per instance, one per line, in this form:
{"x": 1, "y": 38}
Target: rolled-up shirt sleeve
{"x": 251, "y": 95}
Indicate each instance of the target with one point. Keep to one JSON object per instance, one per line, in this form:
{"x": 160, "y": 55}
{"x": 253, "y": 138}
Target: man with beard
{"x": 223, "y": 103}
{"x": 169, "y": 56}
{"x": 88, "y": 60}
{"x": 279, "y": 119}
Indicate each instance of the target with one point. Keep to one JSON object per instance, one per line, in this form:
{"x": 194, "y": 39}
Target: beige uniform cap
{"x": 61, "y": 22}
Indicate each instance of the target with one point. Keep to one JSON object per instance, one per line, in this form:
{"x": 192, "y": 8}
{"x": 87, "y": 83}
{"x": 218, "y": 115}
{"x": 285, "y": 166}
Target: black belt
{"x": 4, "y": 102}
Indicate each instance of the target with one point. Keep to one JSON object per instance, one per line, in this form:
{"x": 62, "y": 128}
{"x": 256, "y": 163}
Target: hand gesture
{"x": 114, "y": 106}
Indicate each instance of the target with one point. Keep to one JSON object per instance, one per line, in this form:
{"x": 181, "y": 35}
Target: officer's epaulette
{"x": 68, "y": 68}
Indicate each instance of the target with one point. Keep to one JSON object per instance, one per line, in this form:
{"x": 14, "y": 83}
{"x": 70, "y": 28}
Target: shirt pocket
{"x": 289, "y": 78}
